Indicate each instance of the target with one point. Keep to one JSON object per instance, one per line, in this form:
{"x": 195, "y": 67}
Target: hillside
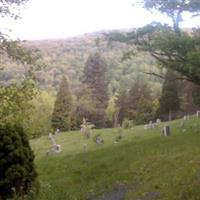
{"x": 68, "y": 56}
{"x": 143, "y": 165}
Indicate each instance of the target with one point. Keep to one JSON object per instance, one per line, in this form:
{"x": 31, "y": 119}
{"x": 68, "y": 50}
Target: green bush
{"x": 17, "y": 172}
{"x": 127, "y": 123}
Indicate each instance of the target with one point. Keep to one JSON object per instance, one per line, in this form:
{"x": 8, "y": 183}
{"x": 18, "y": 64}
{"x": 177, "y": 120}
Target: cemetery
{"x": 111, "y": 152}
{"x": 100, "y": 100}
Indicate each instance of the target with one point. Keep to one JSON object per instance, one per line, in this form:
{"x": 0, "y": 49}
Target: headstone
{"x": 166, "y": 131}
{"x": 151, "y": 125}
{"x": 186, "y": 117}
{"x": 158, "y": 121}
{"x": 85, "y": 147}
{"x": 56, "y": 148}
{"x": 51, "y": 137}
{"x": 182, "y": 126}
{"x": 146, "y": 126}
{"x": 99, "y": 140}
{"x": 198, "y": 113}
{"x": 57, "y": 131}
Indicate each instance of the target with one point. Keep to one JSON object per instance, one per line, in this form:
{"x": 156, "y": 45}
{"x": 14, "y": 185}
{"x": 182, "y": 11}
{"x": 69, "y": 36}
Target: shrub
{"x": 17, "y": 172}
{"x": 127, "y": 123}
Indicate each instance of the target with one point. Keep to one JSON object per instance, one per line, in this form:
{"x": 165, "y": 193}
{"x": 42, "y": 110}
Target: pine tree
{"x": 94, "y": 76}
{"x": 61, "y": 117}
{"x": 17, "y": 172}
{"x": 169, "y": 100}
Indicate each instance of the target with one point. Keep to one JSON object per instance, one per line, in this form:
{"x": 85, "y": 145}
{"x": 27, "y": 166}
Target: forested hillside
{"x": 108, "y": 83}
{"x": 68, "y": 56}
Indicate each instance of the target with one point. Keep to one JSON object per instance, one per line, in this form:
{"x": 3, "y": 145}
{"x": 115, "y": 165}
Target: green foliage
{"x": 137, "y": 104}
{"x": 111, "y": 112}
{"x": 86, "y": 107}
{"x": 122, "y": 105}
{"x": 17, "y": 171}
{"x": 68, "y": 56}
{"x": 127, "y": 123}
{"x": 196, "y": 95}
{"x": 145, "y": 111}
{"x": 61, "y": 117}
{"x": 169, "y": 100}
{"x": 38, "y": 121}
{"x": 187, "y": 92}
{"x": 176, "y": 6}
{"x": 94, "y": 77}
{"x": 173, "y": 48}
{"x": 15, "y": 101}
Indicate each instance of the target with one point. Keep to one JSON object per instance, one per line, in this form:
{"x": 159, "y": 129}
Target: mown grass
{"x": 145, "y": 165}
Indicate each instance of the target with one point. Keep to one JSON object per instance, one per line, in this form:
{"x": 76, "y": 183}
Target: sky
{"x": 49, "y": 19}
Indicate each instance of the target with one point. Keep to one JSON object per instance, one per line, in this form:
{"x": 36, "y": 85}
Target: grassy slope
{"x": 143, "y": 165}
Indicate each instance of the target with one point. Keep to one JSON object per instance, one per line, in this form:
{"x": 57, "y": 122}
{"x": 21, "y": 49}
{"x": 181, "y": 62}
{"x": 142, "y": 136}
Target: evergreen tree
{"x": 135, "y": 104}
{"x": 17, "y": 172}
{"x": 140, "y": 103}
{"x": 122, "y": 105}
{"x": 94, "y": 77}
{"x": 61, "y": 117}
{"x": 169, "y": 100}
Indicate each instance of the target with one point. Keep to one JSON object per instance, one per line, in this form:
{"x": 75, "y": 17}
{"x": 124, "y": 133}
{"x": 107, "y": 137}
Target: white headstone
{"x": 56, "y": 148}
{"x": 158, "y": 121}
{"x": 166, "y": 131}
{"x": 57, "y": 131}
{"x": 198, "y": 113}
{"x": 146, "y": 126}
{"x": 186, "y": 117}
{"x": 85, "y": 147}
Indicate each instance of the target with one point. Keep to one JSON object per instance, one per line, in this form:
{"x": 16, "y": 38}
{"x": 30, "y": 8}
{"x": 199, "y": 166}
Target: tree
{"x": 61, "y": 117}
{"x": 6, "y": 9}
{"x": 135, "y": 104}
{"x": 12, "y": 48}
{"x": 172, "y": 47}
{"x": 17, "y": 172}
{"x": 188, "y": 95}
{"x": 140, "y": 103}
{"x": 86, "y": 107}
{"x": 15, "y": 98}
{"x": 196, "y": 95}
{"x": 94, "y": 77}
{"x": 38, "y": 121}
{"x": 121, "y": 102}
{"x": 169, "y": 100}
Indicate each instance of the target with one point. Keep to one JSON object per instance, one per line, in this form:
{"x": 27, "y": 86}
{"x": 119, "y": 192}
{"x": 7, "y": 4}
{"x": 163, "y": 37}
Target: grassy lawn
{"x": 143, "y": 166}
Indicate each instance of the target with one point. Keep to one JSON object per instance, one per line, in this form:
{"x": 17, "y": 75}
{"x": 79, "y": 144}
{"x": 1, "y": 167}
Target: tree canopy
{"x": 174, "y": 48}
{"x": 6, "y": 7}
